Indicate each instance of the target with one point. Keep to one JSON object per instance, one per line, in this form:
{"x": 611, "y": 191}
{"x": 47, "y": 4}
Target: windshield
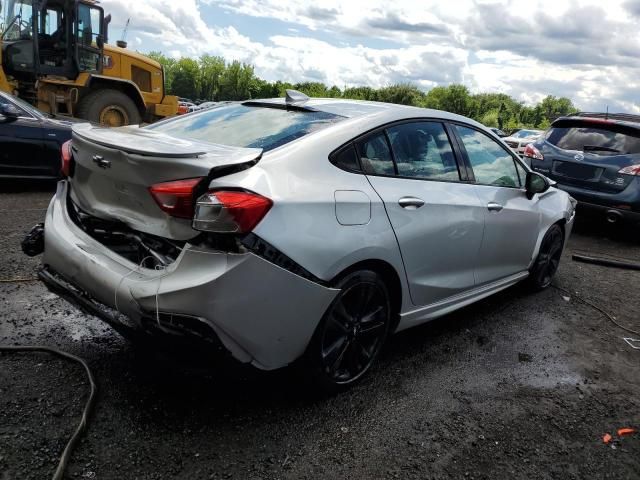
{"x": 247, "y": 126}
{"x": 525, "y": 133}
{"x": 599, "y": 140}
{"x": 30, "y": 109}
{"x": 16, "y": 20}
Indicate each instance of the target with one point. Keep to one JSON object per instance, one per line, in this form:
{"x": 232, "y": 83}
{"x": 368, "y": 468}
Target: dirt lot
{"x": 516, "y": 386}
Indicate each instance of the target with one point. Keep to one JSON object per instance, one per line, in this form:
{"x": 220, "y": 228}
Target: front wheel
{"x": 109, "y": 107}
{"x": 352, "y": 331}
{"x": 548, "y": 260}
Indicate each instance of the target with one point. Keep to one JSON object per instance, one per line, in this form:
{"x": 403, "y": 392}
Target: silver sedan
{"x": 296, "y": 229}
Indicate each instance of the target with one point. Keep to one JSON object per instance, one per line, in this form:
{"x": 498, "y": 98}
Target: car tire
{"x": 548, "y": 259}
{"x": 109, "y": 107}
{"x": 351, "y": 333}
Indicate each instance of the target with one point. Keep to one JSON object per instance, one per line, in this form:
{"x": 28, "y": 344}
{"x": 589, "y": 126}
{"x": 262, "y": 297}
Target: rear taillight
{"x": 230, "y": 211}
{"x": 630, "y": 170}
{"x": 177, "y": 197}
{"x": 66, "y": 158}
{"x": 532, "y": 152}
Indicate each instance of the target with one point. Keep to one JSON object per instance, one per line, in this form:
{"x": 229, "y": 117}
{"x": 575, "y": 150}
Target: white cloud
{"x": 584, "y": 49}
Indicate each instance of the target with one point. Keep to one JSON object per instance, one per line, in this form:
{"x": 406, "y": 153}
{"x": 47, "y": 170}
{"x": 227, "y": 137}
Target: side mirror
{"x": 9, "y": 111}
{"x": 536, "y": 183}
{"x": 100, "y": 42}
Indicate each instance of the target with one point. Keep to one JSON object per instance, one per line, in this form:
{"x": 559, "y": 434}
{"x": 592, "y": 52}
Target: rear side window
{"x": 601, "y": 140}
{"x": 347, "y": 159}
{"x": 375, "y": 156}
{"x": 422, "y": 150}
{"x": 240, "y": 125}
{"x": 491, "y": 163}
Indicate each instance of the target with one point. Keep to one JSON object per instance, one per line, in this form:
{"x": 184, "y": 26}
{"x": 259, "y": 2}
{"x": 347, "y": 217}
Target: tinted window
{"x": 247, "y": 126}
{"x": 492, "y": 164}
{"x": 375, "y": 156}
{"x": 422, "y": 150}
{"x": 578, "y": 136}
{"x": 347, "y": 159}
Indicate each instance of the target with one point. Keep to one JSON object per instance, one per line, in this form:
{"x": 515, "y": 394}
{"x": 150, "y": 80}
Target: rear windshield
{"x": 612, "y": 140}
{"x": 240, "y": 125}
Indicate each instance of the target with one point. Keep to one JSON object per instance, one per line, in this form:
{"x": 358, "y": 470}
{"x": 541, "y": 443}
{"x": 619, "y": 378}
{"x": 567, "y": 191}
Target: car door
{"x": 21, "y": 145}
{"x": 437, "y": 218}
{"x": 512, "y": 221}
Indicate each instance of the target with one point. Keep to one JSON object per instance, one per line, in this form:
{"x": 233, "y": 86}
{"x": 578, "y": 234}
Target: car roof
{"x": 385, "y": 112}
{"x": 623, "y": 119}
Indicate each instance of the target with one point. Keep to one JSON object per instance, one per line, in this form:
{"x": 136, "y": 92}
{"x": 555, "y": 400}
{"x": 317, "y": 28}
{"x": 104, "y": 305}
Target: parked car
{"x": 498, "y": 132}
{"x": 30, "y": 140}
{"x": 520, "y": 139}
{"x": 299, "y": 230}
{"x": 596, "y": 158}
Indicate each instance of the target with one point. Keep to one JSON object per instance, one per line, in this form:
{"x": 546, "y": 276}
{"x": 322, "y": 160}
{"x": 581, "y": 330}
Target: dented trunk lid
{"x": 114, "y": 168}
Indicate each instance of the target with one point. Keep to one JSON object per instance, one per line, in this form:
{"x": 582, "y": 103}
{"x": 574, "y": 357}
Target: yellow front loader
{"x": 54, "y": 54}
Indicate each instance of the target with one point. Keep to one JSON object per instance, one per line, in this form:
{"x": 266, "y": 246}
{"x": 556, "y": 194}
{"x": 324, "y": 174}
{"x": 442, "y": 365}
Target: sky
{"x": 587, "y": 50}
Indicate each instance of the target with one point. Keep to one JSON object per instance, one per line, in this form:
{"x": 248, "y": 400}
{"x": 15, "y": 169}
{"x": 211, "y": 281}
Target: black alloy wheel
{"x": 352, "y": 331}
{"x": 548, "y": 259}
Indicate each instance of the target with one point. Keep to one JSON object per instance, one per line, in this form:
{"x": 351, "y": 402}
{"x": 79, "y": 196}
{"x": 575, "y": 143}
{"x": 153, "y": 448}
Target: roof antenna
{"x": 295, "y": 98}
{"x": 606, "y": 116}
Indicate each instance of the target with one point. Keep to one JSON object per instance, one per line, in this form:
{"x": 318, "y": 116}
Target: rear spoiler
{"x": 146, "y": 142}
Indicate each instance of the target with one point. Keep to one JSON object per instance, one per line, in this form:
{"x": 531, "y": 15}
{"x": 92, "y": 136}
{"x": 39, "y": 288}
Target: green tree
{"x": 403, "y": 93}
{"x": 454, "y": 98}
{"x": 211, "y": 71}
{"x": 236, "y": 80}
{"x": 553, "y": 107}
{"x": 186, "y": 79}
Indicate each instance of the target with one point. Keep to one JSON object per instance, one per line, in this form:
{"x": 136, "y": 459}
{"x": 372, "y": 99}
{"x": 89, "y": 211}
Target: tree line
{"x": 213, "y": 78}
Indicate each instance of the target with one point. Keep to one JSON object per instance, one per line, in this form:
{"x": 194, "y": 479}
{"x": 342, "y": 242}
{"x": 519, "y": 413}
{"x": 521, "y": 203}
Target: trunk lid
{"x": 114, "y": 168}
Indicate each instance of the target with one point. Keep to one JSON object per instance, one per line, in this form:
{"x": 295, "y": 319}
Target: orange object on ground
{"x": 606, "y": 438}
{"x": 625, "y": 431}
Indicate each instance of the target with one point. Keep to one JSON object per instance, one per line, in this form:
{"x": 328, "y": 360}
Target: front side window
{"x": 491, "y": 163}
{"x": 375, "y": 156}
{"x": 89, "y": 25}
{"x": 241, "y": 125}
{"x": 422, "y": 150}
{"x": 16, "y": 21}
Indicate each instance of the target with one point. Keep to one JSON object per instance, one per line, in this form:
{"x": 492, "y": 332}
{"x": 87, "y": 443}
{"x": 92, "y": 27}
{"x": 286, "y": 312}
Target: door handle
{"x": 494, "y": 207}
{"x": 410, "y": 203}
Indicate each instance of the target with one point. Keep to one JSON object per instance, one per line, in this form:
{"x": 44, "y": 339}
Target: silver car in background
{"x": 518, "y": 141}
{"x": 297, "y": 230}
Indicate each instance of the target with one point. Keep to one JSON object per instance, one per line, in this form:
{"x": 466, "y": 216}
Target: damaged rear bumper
{"x": 261, "y": 313}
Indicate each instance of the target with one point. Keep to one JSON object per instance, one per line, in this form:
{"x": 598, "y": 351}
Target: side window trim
{"x": 465, "y": 154}
{"x": 464, "y": 171}
{"x": 464, "y": 167}
{"x": 393, "y": 155}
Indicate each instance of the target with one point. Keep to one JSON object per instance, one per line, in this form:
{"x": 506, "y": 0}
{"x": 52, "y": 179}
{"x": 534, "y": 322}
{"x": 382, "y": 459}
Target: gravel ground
{"x": 519, "y": 385}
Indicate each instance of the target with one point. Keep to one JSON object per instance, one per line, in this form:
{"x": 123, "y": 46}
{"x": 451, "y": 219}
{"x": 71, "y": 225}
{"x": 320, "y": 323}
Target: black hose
{"x": 73, "y": 440}
{"x": 605, "y": 262}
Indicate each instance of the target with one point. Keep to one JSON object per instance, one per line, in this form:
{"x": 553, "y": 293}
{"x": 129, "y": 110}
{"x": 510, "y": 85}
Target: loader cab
{"x": 52, "y": 37}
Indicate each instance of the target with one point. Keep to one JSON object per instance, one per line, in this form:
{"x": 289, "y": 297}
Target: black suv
{"x": 595, "y": 157}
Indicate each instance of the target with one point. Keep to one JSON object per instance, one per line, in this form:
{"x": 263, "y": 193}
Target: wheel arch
{"x": 390, "y": 277}
{"x": 127, "y": 87}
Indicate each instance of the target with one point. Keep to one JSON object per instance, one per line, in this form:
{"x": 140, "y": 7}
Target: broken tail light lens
{"x": 532, "y": 152}
{"x": 177, "y": 197}
{"x": 66, "y": 158}
{"x": 630, "y": 170}
{"x": 230, "y": 211}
